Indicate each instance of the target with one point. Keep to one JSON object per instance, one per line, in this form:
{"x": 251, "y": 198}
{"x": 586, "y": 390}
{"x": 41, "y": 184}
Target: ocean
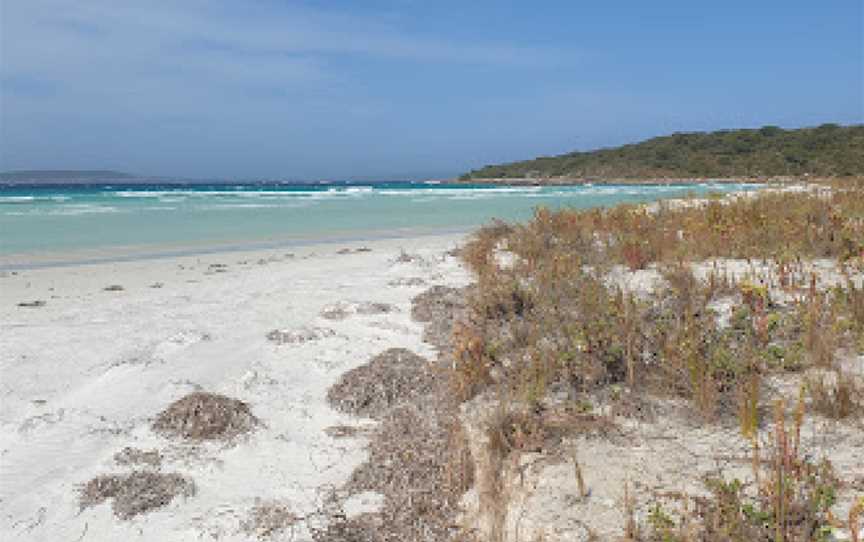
{"x": 154, "y": 219}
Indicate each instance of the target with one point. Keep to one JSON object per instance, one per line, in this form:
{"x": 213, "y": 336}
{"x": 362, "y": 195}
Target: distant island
{"x": 55, "y": 176}
{"x": 829, "y": 150}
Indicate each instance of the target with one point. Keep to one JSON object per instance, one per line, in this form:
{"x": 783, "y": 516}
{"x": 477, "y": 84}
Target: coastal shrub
{"x": 790, "y": 499}
{"x": 556, "y": 317}
{"x": 836, "y": 394}
{"x": 719, "y": 302}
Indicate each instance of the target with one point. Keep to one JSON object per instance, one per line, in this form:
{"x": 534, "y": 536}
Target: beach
{"x": 92, "y": 353}
{"x": 344, "y": 424}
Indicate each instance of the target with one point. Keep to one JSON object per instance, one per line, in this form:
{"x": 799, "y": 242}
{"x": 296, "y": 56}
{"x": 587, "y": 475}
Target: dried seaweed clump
{"x": 205, "y": 416}
{"x": 349, "y": 530}
{"x": 422, "y": 467}
{"x": 393, "y": 376}
{"x": 300, "y": 336}
{"x": 136, "y": 456}
{"x": 135, "y": 493}
{"x": 438, "y": 307}
{"x": 268, "y": 519}
{"x": 344, "y": 309}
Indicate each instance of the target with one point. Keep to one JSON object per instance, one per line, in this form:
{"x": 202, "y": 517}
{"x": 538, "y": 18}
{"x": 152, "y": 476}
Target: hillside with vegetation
{"x": 49, "y": 176}
{"x": 827, "y": 150}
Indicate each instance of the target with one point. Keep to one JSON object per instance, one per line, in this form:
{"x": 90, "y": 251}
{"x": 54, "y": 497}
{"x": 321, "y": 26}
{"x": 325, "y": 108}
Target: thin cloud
{"x": 61, "y": 37}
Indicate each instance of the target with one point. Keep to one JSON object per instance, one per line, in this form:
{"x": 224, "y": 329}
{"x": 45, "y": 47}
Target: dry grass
{"x": 789, "y": 501}
{"x": 547, "y": 319}
{"x": 837, "y": 395}
{"x": 554, "y": 319}
{"x": 205, "y": 416}
{"x": 135, "y": 493}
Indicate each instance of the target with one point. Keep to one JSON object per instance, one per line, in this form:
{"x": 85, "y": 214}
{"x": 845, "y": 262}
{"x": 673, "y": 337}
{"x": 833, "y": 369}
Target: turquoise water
{"x": 69, "y": 218}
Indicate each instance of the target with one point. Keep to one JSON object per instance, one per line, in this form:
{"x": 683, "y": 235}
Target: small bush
{"x": 791, "y": 501}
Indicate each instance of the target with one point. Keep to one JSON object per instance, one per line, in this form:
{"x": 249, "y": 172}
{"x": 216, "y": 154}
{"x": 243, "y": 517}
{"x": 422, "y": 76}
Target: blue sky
{"x": 404, "y": 88}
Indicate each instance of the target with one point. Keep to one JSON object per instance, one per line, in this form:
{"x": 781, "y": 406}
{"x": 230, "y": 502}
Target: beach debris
{"x": 114, "y": 288}
{"x": 299, "y": 336}
{"x": 137, "y": 456}
{"x": 376, "y": 308}
{"x": 135, "y": 493}
{"x": 435, "y": 302}
{"x": 337, "y": 311}
{"x": 344, "y": 309}
{"x": 157, "y": 285}
{"x": 35, "y": 422}
{"x": 405, "y": 257}
{"x": 358, "y": 250}
{"x": 345, "y": 431}
{"x": 32, "y": 304}
{"x": 216, "y": 268}
{"x": 269, "y": 518}
{"x": 205, "y": 416}
{"x": 343, "y": 529}
{"x": 391, "y": 377}
{"x": 407, "y": 281}
{"x": 189, "y": 336}
{"x": 412, "y": 463}
{"x": 254, "y": 379}
{"x": 438, "y": 307}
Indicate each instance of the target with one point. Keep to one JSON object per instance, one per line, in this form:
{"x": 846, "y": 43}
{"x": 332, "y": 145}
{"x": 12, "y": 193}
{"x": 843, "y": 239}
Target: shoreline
{"x": 47, "y": 259}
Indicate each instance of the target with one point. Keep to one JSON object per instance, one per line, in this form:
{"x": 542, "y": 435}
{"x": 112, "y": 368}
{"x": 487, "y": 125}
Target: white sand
{"x": 83, "y": 376}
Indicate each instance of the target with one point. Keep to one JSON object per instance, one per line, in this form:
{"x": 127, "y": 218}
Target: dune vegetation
{"x": 703, "y": 301}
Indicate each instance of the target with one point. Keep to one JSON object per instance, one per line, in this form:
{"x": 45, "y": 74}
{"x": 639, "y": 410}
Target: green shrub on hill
{"x": 826, "y": 150}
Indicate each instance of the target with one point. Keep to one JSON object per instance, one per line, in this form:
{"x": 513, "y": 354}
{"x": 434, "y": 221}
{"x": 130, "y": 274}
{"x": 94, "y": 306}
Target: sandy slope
{"x": 83, "y": 376}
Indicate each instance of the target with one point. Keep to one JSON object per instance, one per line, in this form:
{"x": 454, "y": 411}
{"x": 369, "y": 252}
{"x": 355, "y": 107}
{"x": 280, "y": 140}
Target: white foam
{"x": 16, "y": 199}
{"x": 68, "y": 210}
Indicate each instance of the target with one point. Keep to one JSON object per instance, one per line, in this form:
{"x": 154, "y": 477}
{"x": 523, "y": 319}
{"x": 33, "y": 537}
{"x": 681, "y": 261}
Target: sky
{"x": 387, "y": 89}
